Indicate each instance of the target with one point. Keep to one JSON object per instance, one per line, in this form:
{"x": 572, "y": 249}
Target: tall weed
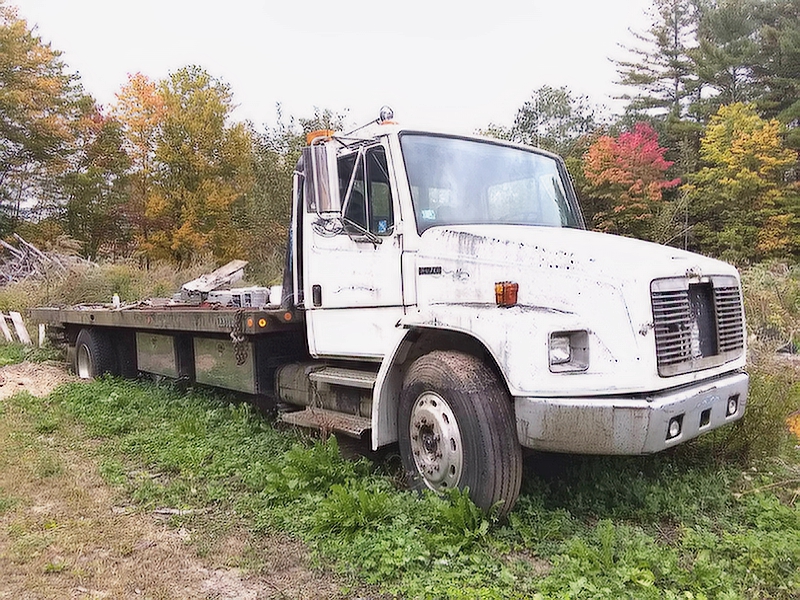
{"x": 87, "y": 283}
{"x": 772, "y": 306}
{"x": 763, "y": 431}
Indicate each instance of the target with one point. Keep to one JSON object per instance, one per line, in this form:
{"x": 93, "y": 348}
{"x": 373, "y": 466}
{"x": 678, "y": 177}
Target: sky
{"x": 446, "y": 64}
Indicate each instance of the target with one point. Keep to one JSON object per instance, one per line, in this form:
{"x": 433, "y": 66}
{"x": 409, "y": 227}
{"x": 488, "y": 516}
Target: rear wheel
{"x": 95, "y": 354}
{"x": 457, "y": 430}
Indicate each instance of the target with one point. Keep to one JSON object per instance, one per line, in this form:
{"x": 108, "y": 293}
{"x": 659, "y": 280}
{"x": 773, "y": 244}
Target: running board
{"x": 328, "y": 420}
{"x": 346, "y": 377}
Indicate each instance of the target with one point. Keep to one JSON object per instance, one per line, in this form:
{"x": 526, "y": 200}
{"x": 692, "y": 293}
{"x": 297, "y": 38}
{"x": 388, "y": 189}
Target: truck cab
{"x": 464, "y": 262}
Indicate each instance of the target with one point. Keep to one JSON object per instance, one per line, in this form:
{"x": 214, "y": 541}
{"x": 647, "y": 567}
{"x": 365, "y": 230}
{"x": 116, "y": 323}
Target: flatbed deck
{"x": 176, "y": 318}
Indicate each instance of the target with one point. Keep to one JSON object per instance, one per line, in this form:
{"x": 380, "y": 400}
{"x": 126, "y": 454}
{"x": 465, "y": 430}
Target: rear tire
{"x": 457, "y": 430}
{"x": 95, "y": 354}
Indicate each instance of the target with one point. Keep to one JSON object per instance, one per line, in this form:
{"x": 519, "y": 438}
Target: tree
{"x": 726, "y": 54}
{"x": 38, "y": 102}
{"x": 777, "y": 66}
{"x": 626, "y": 174}
{"x": 553, "y": 119}
{"x": 663, "y": 71}
{"x": 95, "y": 185}
{"x": 741, "y": 204}
{"x": 140, "y": 111}
{"x": 191, "y": 168}
{"x": 664, "y": 77}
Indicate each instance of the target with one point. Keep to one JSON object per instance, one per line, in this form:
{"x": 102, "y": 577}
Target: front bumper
{"x": 628, "y": 425}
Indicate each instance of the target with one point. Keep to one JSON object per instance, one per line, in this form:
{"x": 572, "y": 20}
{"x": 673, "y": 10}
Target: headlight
{"x": 569, "y": 351}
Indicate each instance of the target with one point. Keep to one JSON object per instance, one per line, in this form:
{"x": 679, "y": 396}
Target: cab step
{"x": 328, "y": 420}
{"x": 345, "y": 377}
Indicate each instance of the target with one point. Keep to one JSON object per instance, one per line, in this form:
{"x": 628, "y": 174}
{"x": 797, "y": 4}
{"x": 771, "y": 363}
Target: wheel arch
{"x": 416, "y": 342}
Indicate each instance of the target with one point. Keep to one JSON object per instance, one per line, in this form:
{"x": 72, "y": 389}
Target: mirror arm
{"x": 371, "y": 237}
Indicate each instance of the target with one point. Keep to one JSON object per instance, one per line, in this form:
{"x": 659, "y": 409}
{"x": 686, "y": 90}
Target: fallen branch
{"x": 766, "y": 487}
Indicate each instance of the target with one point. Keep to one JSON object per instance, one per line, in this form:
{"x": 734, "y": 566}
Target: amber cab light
{"x": 505, "y": 293}
{"x": 319, "y": 133}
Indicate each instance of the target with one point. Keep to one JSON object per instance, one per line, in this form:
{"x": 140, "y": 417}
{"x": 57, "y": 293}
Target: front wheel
{"x": 457, "y": 430}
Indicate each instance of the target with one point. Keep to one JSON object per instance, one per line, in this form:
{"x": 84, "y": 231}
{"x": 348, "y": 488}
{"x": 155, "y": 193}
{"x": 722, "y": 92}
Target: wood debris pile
{"x": 26, "y": 260}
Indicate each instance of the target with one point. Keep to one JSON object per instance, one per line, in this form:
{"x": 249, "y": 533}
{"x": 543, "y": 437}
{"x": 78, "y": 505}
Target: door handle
{"x": 316, "y": 294}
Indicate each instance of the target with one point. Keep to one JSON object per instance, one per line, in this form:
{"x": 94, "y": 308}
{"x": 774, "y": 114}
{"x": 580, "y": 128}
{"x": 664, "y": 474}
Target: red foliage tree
{"x": 626, "y": 174}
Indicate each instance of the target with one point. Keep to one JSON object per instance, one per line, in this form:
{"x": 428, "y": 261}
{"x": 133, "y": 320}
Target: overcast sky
{"x": 442, "y": 63}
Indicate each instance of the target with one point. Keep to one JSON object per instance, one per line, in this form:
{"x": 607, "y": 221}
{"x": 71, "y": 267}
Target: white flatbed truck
{"x": 442, "y": 292}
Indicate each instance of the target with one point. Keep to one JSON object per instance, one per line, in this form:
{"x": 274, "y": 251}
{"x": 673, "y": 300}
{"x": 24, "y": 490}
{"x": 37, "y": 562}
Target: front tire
{"x": 457, "y": 430}
{"x": 95, "y": 354}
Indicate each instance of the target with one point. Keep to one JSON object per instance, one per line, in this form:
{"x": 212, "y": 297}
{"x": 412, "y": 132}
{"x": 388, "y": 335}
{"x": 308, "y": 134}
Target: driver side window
{"x": 364, "y": 186}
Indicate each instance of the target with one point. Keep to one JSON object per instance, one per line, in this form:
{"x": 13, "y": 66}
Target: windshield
{"x": 457, "y": 181}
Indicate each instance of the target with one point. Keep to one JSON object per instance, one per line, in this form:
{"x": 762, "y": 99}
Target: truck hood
{"x": 556, "y": 268}
{"x": 569, "y": 280}
{"x": 604, "y": 255}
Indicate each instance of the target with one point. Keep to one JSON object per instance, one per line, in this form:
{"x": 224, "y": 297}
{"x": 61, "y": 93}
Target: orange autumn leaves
{"x": 190, "y": 167}
{"x": 628, "y": 173}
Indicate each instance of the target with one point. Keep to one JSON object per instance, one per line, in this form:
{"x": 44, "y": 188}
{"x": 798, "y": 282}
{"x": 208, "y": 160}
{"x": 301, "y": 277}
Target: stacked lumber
{"x": 26, "y": 260}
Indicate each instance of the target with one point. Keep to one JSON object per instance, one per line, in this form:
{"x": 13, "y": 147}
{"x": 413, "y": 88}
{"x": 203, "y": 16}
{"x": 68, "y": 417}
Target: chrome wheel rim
{"x": 84, "y": 362}
{"x": 436, "y": 442}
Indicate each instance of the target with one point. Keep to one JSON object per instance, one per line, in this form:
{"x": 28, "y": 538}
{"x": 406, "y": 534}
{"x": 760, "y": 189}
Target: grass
{"x": 691, "y": 523}
{"x": 14, "y": 352}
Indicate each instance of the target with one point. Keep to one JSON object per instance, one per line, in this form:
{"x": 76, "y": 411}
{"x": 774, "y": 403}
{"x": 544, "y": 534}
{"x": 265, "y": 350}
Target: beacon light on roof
{"x": 318, "y": 134}
{"x": 386, "y": 116}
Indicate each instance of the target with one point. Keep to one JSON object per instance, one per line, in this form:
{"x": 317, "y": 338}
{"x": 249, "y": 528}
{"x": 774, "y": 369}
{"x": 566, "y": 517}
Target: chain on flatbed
{"x": 238, "y": 339}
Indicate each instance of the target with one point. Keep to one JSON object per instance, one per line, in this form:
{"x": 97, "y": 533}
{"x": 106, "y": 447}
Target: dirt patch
{"x": 65, "y": 533}
{"x": 38, "y": 379}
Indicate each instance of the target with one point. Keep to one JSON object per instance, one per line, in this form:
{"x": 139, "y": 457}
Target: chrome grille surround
{"x": 695, "y": 329}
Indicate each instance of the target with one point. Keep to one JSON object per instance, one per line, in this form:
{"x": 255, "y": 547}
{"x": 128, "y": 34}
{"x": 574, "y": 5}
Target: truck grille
{"x": 698, "y": 324}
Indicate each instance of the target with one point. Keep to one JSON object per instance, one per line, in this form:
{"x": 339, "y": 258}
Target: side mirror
{"x": 321, "y": 188}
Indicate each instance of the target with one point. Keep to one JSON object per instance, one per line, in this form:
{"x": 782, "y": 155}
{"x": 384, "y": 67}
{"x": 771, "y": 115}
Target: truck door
{"x": 352, "y": 258}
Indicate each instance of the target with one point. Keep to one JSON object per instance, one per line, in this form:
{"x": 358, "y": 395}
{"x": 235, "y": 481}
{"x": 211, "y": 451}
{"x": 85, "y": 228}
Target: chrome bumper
{"x": 620, "y": 425}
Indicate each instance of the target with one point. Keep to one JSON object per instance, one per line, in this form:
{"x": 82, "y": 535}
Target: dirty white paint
{"x": 568, "y": 280}
{"x": 372, "y": 295}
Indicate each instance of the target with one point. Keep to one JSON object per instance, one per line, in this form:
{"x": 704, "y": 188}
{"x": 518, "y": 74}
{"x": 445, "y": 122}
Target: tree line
{"x": 705, "y": 155}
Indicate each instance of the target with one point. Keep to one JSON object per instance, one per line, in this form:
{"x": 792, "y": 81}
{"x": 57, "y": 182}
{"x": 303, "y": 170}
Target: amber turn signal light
{"x": 505, "y": 293}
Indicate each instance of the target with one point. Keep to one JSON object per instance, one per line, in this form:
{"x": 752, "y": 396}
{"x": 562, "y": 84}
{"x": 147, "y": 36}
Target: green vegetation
{"x": 12, "y": 353}
{"x": 690, "y": 523}
{"x": 88, "y": 284}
